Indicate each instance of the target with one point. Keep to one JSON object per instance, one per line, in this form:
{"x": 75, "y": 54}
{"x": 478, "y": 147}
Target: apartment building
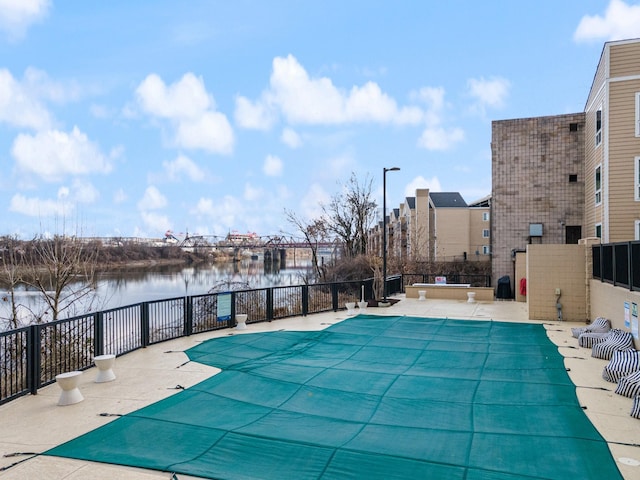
{"x": 538, "y": 185}
{"x": 436, "y": 226}
{"x": 612, "y": 145}
{"x": 560, "y": 178}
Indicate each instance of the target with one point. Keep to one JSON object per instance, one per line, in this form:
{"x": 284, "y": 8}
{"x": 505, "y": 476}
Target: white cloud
{"x": 620, "y": 21}
{"x": 225, "y": 212}
{"x": 210, "y": 131}
{"x": 272, "y": 166}
{"x": 119, "y": 196}
{"x": 190, "y": 110}
{"x": 156, "y": 222}
{"x": 53, "y": 154}
{"x": 256, "y": 115}
{"x": 311, "y": 203}
{"x": 419, "y": 182}
{"x": 440, "y": 139}
{"x": 17, "y": 15}
{"x": 84, "y": 192}
{"x": 302, "y": 99}
{"x": 152, "y": 199}
{"x": 291, "y": 138}
{"x": 185, "y": 99}
{"x": 36, "y": 207}
{"x": 183, "y": 165}
{"x": 489, "y": 93}
{"x": 252, "y": 194}
{"x": 18, "y": 106}
{"x": 433, "y": 97}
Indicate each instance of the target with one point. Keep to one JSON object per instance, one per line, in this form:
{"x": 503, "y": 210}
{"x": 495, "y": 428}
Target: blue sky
{"x": 125, "y": 118}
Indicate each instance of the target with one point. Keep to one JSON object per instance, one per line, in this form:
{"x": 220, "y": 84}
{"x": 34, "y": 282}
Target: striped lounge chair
{"x": 589, "y": 339}
{"x": 623, "y": 363}
{"x": 615, "y": 340}
{"x": 635, "y": 409}
{"x": 599, "y": 325}
{"x": 629, "y": 386}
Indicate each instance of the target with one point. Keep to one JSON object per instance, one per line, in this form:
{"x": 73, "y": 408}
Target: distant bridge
{"x": 216, "y": 241}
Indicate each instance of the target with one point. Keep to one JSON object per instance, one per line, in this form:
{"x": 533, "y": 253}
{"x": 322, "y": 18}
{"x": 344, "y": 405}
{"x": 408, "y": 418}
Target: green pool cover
{"x": 373, "y": 397}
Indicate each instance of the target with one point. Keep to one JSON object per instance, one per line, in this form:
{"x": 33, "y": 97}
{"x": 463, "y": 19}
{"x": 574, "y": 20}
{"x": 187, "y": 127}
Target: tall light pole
{"x": 384, "y": 230}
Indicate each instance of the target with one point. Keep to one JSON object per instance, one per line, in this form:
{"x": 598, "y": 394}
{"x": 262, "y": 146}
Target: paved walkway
{"x": 35, "y": 423}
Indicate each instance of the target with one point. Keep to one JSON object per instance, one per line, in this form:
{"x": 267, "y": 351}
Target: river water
{"x": 127, "y": 287}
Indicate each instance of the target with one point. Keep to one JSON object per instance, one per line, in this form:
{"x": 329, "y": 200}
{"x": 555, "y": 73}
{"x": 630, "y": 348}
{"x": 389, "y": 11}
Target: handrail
{"x": 31, "y": 357}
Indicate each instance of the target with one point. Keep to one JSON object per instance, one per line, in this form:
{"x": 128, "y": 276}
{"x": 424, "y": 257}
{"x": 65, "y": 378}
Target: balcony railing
{"x": 31, "y": 357}
{"x": 618, "y": 264}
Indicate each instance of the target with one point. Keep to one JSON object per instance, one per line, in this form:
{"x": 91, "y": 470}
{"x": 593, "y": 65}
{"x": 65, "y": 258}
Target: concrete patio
{"x": 33, "y": 424}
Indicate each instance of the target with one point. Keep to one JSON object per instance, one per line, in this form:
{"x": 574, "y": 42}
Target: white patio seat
{"x": 599, "y": 325}
{"x": 623, "y": 363}
{"x": 629, "y": 386}
{"x": 615, "y": 340}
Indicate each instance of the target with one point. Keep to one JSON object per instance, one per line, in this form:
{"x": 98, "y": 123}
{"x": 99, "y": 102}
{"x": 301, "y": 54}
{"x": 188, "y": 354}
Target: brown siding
{"x": 624, "y": 59}
{"x": 623, "y": 148}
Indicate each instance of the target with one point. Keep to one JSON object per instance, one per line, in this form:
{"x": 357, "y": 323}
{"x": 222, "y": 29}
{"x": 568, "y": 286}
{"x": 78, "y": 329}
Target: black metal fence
{"x": 618, "y": 264}
{"x": 32, "y": 356}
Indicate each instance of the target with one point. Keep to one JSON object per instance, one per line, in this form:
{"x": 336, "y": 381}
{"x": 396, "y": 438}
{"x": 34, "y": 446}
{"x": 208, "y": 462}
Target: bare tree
{"x": 314, "y": 232}
{"x": 351, "y": 213}
{"x": 63, "y": 270}
{"x": 11, "y": 253}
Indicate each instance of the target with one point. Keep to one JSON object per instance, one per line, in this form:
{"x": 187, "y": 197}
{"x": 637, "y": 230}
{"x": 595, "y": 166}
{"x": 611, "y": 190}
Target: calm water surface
{"x": 116, "y": 289}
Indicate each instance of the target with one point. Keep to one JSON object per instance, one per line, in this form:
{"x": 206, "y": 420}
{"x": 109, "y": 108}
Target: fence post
{"x": 269, "y": 304}
{"x": 188, "y": 316}
{"x": 629, "y": 267}
{"x": 98, "y": 333}
{"x": 232, "y": 321}
{"x": 144, "y": 324}
{"x": 33, "y": 359}
{"x": 305, "y": 300}
{"x": 334, "y": 296}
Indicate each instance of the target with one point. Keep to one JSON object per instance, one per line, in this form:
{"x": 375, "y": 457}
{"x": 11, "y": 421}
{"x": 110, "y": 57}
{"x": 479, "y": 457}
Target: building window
{"x": 599, "y": 127}
{"x": 638, "y": 114}
{"x": 486, "y": 249}
{"x": 636, "y": 181}
{"x": 573, "y": 178}
{"x": 598, "y": 184}
{"x": 485, "y": 216}
{"x": 485, "y": 233}
{"x": 599, "y": 230}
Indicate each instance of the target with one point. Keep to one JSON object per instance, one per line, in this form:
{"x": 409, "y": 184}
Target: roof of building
{"x": 482, "y": 202}
{"x": 447, "y": 199}
{"x": 411, "y": 202}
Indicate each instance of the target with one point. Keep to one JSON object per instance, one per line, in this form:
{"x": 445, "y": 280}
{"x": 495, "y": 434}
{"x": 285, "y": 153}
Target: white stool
{"x": 104, "y": 363}
{"x": 422, "y": 295}
{"x": 351, "y": 308}
{"x": 471, "y": 297}
{"x": 241, "y": 321}
{"x": 363, "y": 306}
{"x": 68, "y": 382}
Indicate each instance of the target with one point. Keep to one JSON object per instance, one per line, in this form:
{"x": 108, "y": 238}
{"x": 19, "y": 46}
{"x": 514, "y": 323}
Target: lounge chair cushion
{"x": 589, "y": 339}
{"x": 629, "y": 386}
{"x": 615, "y": 340}
{"x": 623, "y": 363}
{"x": 599, "y": 325}
{"x": 635, "y": 409}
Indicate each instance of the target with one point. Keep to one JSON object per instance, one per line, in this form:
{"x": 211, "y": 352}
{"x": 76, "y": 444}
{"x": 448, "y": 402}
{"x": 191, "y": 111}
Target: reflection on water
{"x": 126, "y": 287}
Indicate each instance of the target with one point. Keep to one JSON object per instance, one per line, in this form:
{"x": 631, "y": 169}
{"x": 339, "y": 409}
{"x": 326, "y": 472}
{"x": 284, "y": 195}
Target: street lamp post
{"x": 384, "y": 230}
